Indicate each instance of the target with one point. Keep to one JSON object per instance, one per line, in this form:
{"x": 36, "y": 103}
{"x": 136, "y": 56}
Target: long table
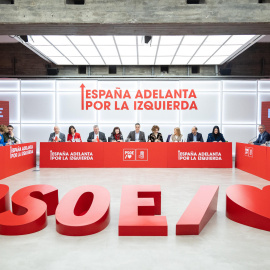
{"x": 17, "y": 158}
{"x": 135, "y": 155}
{"x": 254, "y": 159}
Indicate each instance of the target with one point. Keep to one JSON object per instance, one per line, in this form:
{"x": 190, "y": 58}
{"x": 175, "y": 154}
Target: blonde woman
{"x": 176, "y": 136}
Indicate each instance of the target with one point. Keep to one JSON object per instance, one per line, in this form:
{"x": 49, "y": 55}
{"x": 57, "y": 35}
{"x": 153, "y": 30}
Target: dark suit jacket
{"x": 131, "y": 135}
{"x": 264, "y": 138}
{"x": 199, "y": 137}
{"x": 6, "y": 138}
{"x": 211, "y": 138}
{"x": 101, "y": 137}
{"x": 62, "y": 137}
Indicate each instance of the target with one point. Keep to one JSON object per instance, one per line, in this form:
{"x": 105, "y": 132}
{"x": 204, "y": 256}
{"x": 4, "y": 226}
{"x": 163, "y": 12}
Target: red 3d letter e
{"x": 139, "y": 205}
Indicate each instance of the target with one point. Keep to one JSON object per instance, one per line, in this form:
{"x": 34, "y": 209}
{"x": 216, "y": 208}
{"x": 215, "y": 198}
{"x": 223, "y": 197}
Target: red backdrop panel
{"x": 265, "y": 115}
{"x": 200, "y": 155}
{"x": 4, "y": 113}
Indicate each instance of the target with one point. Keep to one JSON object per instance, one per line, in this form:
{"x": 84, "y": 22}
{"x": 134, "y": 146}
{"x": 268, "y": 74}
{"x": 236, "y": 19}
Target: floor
{"x": 223, "y": 244}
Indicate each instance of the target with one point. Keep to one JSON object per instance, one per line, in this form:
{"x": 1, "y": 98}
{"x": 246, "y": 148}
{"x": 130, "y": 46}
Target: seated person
{"x": 9, "y": 136}
{"x": 96, "y": 135}
{"x": 215, "y": 136}
{"x": 57, "y": 136}
{"x": 116, "y": 135}
{"x": 3, "y": 129}
{"x": 263, "y": 136}
{"x": 194, "y": 136}
{"x": 136, "y": 135}
{"x": 155, "y": 136}
{"x": 73, "y": 136}
{"x": 176, "y": 136}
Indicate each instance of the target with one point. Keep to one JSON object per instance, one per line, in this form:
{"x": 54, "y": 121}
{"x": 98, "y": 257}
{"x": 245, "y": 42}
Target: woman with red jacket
{"x": 73, "y": 136}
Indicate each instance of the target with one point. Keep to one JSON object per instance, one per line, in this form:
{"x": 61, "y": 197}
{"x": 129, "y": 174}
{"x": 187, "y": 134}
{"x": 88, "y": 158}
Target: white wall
{"x": 37, "y": 105}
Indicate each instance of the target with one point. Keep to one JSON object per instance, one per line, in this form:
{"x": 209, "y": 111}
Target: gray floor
{"x": 223, "y": 244}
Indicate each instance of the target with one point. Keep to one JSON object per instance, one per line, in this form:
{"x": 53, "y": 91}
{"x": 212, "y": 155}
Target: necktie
{"x": 260, "y": 138}
{"x": 97, "y": 139}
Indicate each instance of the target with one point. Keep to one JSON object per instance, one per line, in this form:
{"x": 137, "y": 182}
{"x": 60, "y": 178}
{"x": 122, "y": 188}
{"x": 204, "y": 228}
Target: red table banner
{"x": 252, "y": 159}
{"x": 17, "y": 158}
{"x": 199, "y": 155}
{"x": 71, "y": 155}
{"x": 136, "y": 155}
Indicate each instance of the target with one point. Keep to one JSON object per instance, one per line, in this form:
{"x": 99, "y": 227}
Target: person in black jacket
{"x": 215, "y": 136}
{"x": 155, "y": 136}
{"x": 194, "y": 136}
{"x": 96, "y": 135}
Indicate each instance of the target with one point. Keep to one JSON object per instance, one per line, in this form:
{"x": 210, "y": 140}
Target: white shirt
{"x": 96, "y": 135}
{"x": 56, "y": 136}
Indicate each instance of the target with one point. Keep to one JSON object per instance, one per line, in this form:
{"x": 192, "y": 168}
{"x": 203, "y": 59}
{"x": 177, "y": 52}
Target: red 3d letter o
{"x": 84, "y": 210}
{"x": 30, "y": 206}
{"x": 4, "y": 198}
{"x": 139, "y": 205}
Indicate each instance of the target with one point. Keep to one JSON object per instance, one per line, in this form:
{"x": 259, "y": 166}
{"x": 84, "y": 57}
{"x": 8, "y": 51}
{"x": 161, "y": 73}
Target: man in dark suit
{"x": 194, "y": 136}
{"x": 136, "y": 135}
{"x": 96, "y": 135}
{"x": 263, "y": 136}
{"x": 57, "y": 136}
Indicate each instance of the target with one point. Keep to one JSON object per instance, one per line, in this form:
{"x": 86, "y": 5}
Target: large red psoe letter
{"x": 249, "y": 206}
{"x": 84, "y": 210}
{"x": 139, "y": 205}
{"x": 4, "y": 198}
{"x": 30, "y": 206}
{"x": 200, "y": 210}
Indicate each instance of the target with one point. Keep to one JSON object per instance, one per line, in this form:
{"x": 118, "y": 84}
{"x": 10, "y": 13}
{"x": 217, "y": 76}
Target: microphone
{"x": 251, "y": 140}
{"x": 18, "y": 139}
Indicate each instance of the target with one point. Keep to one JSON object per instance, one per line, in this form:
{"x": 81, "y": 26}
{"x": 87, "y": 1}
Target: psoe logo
{"x": 135, "y": 155}
{"x": 249, "y": 152}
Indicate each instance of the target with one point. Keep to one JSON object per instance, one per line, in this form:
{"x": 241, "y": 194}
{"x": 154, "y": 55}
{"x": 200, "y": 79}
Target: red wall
{"x": 265, "y": 119}
{"x": 4, "y": 105}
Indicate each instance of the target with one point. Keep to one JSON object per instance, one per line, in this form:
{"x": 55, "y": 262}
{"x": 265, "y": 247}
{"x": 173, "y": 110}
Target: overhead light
{"x": 58, "y": 40}
{"x": 164, "y": 60}
{"x": 60, "y": 60}
{"x": 146, "y": 60}
{"x": 180, "y": 60}
{"x": 239, "y": 39}
{"x": 216, "y": 40}
{"x": 80, "y": 40}
{"x": 185, "y": 50}
{"x": 112, "y": 60}
{"x": 68, "y": 50}
{"x": 38, "y": 40}
{"x": 129, "y": 60}
{"x": 193, "y": 40}
{"x": 170, "y": 40}
{"x": 197, "y": 60}
{"x": 167, "y": 50}
{"x": 103, "y": 40}
{"x": 147, "y": 51}
{"x": 95, "y": 61}
{"x": 108, "y": 50}
{"x": 216, "y": 60}
{"x": 127, "y": 50}
{"x": 206, "y": 50}
{"x": 78, "y": 60}
{"x": 48, "y": 50}
{"x": 88, "y": 50}
{"x": 227, "y": 50}
{"x": 125, "y": 40}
